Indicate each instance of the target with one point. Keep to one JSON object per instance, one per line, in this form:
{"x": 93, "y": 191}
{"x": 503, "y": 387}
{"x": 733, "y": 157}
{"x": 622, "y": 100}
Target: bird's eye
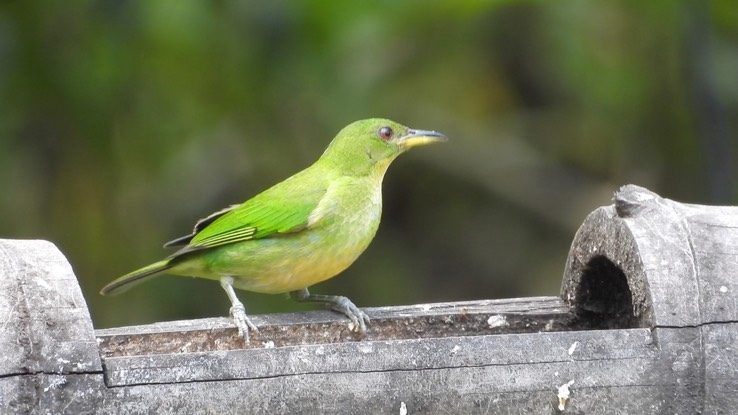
{"x": 385, "y": 133}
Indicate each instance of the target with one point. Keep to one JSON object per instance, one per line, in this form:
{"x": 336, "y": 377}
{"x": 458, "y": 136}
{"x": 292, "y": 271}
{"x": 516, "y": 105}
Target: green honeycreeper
{"x": 299, "y": 232}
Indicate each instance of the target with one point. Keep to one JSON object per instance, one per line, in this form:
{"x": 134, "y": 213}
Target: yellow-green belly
{"x": 286, "y": 262}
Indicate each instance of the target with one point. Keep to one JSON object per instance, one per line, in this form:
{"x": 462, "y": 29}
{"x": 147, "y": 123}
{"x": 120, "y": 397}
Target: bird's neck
{"x": 356, "y": 165}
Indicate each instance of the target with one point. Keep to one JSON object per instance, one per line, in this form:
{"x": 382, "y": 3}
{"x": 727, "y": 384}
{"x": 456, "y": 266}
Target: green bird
{"x": 299, "y": 232}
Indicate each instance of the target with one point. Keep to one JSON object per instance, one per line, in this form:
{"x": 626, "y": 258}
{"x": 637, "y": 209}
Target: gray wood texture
{"x": 47, "y": 343}
{"x": 678, "y": 267}
{"x": 646, "y": 324}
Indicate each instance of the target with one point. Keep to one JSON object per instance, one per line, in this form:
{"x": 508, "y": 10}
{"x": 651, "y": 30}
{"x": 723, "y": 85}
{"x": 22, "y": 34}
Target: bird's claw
{"x": 242, "y": 321}
{"x": 359, "y": 318}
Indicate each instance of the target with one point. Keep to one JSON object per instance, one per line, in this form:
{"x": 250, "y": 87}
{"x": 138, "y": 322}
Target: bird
{"x": 299, "y": 232}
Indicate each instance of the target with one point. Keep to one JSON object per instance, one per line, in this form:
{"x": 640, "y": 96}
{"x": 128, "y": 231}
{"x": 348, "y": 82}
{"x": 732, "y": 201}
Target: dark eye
{"x": 385, "y": 133}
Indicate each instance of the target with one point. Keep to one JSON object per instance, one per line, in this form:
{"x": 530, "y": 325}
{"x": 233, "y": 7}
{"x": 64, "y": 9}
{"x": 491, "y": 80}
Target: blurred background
{"x": 123, "y": 122}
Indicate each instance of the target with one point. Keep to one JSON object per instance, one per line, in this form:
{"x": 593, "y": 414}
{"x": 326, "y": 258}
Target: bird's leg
{"x": 336, "y": 303}
{"x": 238, "y": 311}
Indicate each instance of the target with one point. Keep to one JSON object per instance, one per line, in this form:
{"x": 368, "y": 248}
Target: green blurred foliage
{"x": 122, "y": 122}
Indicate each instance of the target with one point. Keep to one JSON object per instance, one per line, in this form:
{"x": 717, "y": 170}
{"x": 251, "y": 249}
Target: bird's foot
{"x": 242, "y": 321}
{"x": 238, "y": 311}
{"x": 339, "y": 303}
{"x": 358, "y": 318}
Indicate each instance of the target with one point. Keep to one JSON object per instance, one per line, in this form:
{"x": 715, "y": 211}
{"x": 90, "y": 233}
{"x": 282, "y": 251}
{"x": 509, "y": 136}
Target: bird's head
{"x": 369, "y": 146}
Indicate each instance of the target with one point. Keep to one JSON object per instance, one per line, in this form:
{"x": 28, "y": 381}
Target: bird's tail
{"x": 132, "y": 278}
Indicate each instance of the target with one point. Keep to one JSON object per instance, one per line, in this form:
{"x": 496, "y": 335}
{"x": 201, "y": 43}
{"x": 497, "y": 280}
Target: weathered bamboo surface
{"x": 647, "y": 323}
{"x": 469, "y": 318}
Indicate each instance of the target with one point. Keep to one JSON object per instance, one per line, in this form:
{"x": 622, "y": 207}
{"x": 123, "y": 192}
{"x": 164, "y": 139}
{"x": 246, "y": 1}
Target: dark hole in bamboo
{"x": 604, "y": 299}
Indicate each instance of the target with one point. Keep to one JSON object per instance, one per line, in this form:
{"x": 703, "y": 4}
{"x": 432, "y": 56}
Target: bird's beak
{"x": 415, "y": 138}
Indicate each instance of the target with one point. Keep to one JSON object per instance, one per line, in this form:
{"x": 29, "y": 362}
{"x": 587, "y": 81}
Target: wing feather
{"x": 284, "y": 208}
{"x": 200, "y": 225}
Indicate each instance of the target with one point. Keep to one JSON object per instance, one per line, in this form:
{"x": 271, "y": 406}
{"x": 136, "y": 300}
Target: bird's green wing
{"x": 281, "y": 209}
{"x": 200, "y": 225}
